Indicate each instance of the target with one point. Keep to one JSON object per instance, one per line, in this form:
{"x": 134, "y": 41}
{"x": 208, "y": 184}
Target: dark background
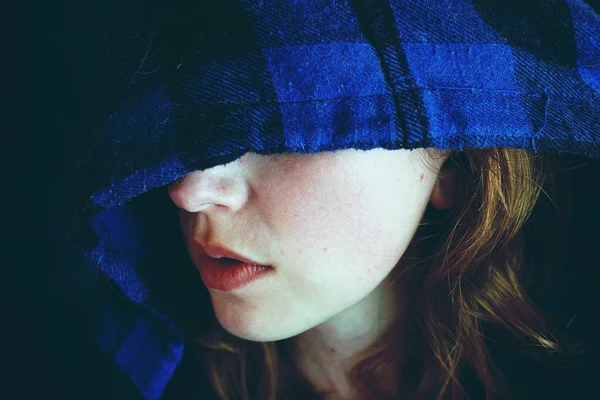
{"x": 51, "y": 56}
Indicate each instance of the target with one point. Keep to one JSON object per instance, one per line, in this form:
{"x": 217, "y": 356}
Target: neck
{"x": 325, "y": 353}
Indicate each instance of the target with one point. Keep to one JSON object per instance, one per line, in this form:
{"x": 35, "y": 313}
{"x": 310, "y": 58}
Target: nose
{"x": 200, "y": 190}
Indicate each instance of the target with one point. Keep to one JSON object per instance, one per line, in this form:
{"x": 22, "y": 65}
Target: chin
{"x": 254, "y": 323}
{"x": 255, "y": 330}
{"x": 255, "y": 335}
{"x": 242, "y": 325}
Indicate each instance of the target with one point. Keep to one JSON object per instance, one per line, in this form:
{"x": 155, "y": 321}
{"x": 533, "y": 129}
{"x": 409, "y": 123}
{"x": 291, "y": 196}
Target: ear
{"x": 443, "y": 194}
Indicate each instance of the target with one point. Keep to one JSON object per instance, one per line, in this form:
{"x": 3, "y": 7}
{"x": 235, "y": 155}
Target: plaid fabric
{"x": 190, "y": 85}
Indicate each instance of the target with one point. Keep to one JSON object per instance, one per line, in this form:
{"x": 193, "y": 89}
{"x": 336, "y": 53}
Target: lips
{"x": 228, "y": 275}
{"x": 223, "y": 269}
{"x": 221, "y": 251}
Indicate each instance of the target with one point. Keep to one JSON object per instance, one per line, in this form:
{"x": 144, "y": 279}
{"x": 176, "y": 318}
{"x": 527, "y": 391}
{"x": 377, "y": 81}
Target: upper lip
{"x": 220, "y": 251}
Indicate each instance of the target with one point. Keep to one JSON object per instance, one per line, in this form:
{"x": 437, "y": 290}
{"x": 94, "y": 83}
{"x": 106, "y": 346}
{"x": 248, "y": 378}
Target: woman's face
{"x": 332, "y": 225}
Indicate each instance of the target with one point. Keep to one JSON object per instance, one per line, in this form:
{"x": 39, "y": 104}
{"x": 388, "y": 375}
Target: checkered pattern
{"x": 190, "y": 85}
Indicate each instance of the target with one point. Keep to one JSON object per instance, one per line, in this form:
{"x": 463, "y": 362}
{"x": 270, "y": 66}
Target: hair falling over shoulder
{"x": 483, "y": 272}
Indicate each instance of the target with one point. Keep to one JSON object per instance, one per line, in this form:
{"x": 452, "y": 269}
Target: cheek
{"x": 358, "y": 220}
{"x": 384, "y": 216}
{"x": 352, "y": 232}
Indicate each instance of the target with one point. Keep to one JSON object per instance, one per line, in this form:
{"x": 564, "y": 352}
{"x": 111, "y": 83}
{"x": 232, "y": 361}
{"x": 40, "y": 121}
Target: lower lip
{"x": 226, "y": 274}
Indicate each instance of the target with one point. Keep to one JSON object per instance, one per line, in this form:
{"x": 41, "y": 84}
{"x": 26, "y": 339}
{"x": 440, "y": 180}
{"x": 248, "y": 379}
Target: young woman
{"x": 351, "y": 200}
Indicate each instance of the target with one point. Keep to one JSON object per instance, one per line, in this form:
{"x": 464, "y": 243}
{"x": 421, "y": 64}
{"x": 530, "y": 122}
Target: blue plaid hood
{"x": 191, "y": 85}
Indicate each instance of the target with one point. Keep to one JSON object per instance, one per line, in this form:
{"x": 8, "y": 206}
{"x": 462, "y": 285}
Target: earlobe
{"x": 443, "y": 193}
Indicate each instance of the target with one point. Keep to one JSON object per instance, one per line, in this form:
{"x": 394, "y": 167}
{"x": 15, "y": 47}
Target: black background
{"x": 50, "y": 55}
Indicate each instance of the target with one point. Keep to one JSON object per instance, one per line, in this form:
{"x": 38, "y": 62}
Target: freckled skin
{"x": 332, "y": 224}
